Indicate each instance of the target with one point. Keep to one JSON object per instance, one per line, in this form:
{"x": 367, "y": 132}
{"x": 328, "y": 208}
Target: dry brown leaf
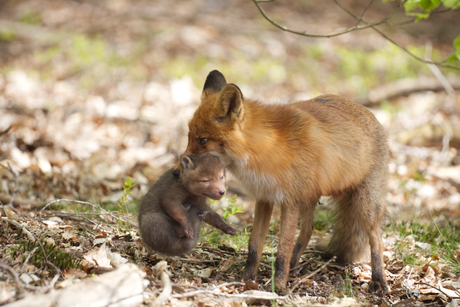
{"x": 226, "y": 264}
{"x": 98, "y": 256}
{"x": 68, "y": 234}
{"x": 10, "y": 214}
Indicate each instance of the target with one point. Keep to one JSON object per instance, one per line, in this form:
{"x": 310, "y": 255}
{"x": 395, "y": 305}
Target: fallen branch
{"x": 162, "y": 273}
{"x": 20, "y": 226}
{"x": 251, "y": 294}
{"x": 405, "y": 87}
{"x": 103, "y": 211}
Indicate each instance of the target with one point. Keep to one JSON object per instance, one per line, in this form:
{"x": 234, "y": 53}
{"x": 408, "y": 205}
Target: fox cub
{"x": 292, "y": 154}
{"x": 171, "y": 212}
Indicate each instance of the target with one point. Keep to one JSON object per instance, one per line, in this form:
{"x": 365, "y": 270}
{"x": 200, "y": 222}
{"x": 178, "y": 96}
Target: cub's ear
{"x": 228, "y": 107}
{"x": 214, "y": 83}
{"x": 186, "y": 162}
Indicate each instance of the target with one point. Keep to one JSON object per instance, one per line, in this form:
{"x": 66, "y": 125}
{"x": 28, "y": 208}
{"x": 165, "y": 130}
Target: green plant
{"x": 232, "y": 209}
{"x": 346, "y": 285}
{"x": 50, "y": 252}
{"x": 127, "y": 187}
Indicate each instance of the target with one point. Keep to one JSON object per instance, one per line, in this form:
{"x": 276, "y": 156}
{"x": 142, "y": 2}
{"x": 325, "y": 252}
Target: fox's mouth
{"x": 215, "y": 196}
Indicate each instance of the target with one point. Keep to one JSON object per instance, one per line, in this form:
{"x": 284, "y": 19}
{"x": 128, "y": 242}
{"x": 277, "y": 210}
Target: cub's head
{"x": 203, "y": 175}
{"x": 217, "y": 121}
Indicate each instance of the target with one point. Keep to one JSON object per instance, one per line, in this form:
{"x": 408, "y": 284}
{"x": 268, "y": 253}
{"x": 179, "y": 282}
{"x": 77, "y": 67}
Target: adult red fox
{"x": 292, "y": 154}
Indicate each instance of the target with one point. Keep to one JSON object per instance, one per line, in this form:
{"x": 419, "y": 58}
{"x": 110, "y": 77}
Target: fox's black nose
{"x": 222, "y": 192}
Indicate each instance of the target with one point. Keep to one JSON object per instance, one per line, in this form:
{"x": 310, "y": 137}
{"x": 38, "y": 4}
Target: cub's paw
{"x": 202, "y": 215}
{"x": 229, "y": 230}
{"x": 378, "y": 287}
{"x": 188, "y": 232}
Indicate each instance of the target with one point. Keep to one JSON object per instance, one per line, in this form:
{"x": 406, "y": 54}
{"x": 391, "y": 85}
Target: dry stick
{"x": 22, "y": 227}
{"x": 160, "y": 271}
{"x": 16, "y": 277}
{"x": 447, "y": 295}
{"x": 12, "y": 273}
{"x": 28, "y": 258}
{"x": 32, "y": 238}
{"x": 91, "y": 204}
{"x": 254, "y": 295}
{"x": 311, "y": 274}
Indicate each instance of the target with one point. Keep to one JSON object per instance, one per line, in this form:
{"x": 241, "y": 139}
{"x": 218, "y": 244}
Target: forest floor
{"x": 95, "y": 93}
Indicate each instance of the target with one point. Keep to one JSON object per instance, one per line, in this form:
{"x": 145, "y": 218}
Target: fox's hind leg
{"x": 306, "y": 214}
{"x": 359, "y": 217}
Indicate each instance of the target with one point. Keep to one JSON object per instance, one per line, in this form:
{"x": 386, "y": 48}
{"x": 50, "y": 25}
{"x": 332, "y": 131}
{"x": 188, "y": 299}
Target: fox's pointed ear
{"x": 228, "y": 107}
{"x": 186, "y": 162}
{"x": 214, "y": 83}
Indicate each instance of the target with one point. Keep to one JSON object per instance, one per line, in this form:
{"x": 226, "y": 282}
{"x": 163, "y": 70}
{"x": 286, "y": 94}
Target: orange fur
{"x": 290, "y": 155}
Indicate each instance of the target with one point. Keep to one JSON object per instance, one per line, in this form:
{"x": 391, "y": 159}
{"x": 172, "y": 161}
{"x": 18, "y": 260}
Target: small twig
{"x": 162, "y": 273}
{"x": 198, "y": 260}
{"x": 304, "y": 33}
{"x": 98, "y": 207}
{"x": 293, "y": 287}
{"x": 12, "y": 273}
{"x": 436, "y": 72}
{"x": 22, "y": 227}
{"x": 233, "y": 283}
{"x": 253, "y": 295}
{"x": 364, "y": 12}
{"x": 16, "y": 277}
{"x": 301, "y": 265}
{"x": 426, "y": 284}
{"x": 391, "y": 40}
{"x": 28, "y": 258}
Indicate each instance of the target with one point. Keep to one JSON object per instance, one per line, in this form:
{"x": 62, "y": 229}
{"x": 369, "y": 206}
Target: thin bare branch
{"x": 304, "y": 33}
{"x": 364, "y": 12}
{"x": 443, "y": 63}
{"x": 360, "y": 19}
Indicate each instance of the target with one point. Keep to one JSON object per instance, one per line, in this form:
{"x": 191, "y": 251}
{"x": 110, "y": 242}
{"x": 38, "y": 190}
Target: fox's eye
{"x": 222, "y": 177}
{"x": 206, "y": 181}
{"x": 203, "y": 141}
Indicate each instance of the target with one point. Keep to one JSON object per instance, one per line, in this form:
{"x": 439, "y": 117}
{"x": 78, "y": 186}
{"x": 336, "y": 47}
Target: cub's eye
{"x": 222, "y": 177}
{"x": 203, "y": 141}
{"x": 206, "y": 181}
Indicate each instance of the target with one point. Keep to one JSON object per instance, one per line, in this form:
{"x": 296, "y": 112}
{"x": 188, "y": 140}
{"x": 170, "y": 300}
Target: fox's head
{"x": 218, "y": 120}
{"x": 203, "y": 175}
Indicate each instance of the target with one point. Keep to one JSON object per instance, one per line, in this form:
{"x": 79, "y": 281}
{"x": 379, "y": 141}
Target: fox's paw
{"x": 188, "y": 232}
{"x": 378, "y": 287}
{"x": 229, "y": 230}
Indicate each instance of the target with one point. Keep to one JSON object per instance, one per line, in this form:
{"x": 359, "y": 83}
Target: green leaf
{"x": 457, "y": 43}
{"x": 419, "y": 16}
{"x": 452, "y": 4}
{"x": 457, "y": 54}
{"x": 409, "y": 5}
{"x": 429, "y": 5}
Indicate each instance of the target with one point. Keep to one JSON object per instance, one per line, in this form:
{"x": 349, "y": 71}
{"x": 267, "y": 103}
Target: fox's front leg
{"x": 262, "y": 214}
{"x": 288, "y": 225}
{"x": 214, "y": 219}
